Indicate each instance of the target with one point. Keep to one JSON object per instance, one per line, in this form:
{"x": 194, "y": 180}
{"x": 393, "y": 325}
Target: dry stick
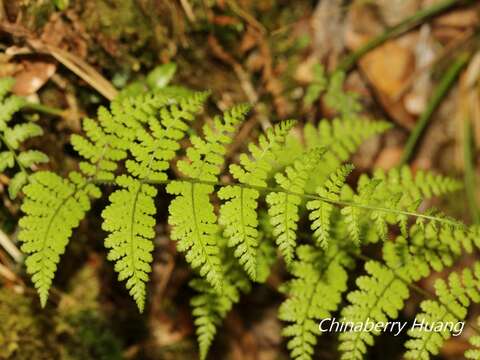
{"x": 10, "y": 247}
{"x": 406, "y": 25}
{"x": 439, "y": 93}
{"x": 469, "y": 173}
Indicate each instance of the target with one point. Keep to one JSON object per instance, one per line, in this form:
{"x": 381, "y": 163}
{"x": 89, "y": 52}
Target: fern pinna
{"x": 290, "y": 193}
{"x": 11, "y": 137}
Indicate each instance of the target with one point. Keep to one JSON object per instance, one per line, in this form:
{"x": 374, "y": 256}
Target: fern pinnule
{"x": 320, "y": 278}
{"x": 238, "y": 213}
{"x": 284, "y": 206}
{"x": 12, "y": 137}
{"x": 474, "y": 352}
{"x": 129, "y": 220}
{"x": 450, "y": 306}
{"x": 320, "y": 210}
{"x": 381, "y": 295}
{"x": 192, "y": 216}
{"x": 210, "y": 307}
{"x": 54, "y": 206}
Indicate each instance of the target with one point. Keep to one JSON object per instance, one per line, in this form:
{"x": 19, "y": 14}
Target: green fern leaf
{"x": 381, "y": 295}
{"x": 239, "y": 212}
{"x": 210, "y": 307}
{"x": 19, "y": 133}
{"x": 320, "y": 211}
{"x": 453, "y": 300}
{"x": 53, "y": 207}
{"x": 283, "y": 206}
{"x": 12, "y": 137}
{"x": 192, "y": 215}
{"x": 16, "y": 184}
{"x": 130, "y": 220}
{"x": 473, "y": 353}
{"x": 9, "y": 105}
{"x": 314, "y": 293}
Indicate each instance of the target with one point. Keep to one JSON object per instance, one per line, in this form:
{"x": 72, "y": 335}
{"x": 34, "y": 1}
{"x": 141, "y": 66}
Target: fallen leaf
{"x": 33, "y": 76}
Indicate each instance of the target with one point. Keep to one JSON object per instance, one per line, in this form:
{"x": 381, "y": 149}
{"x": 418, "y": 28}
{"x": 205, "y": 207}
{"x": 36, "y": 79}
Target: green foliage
{"x": 23, "y": 332}
{"x": 54, "y": 206}
{"x": 211, "y": 307}
{"x": 239, "y": 211}
{"x": 283, "y": 206}
{"x": 129, "y": 219}
{"x": 11, "y": 137}
{"x": 474, "y": 352}
{"x": 321, "y": 209}
{"x": 320, "y": 278}
{"x": 317, "y": 86}
{"x": 230, "y": 224}
{"x": 345, "y": 103}
{"x": 191, "y": 212}
{"x": 450, "y": 306}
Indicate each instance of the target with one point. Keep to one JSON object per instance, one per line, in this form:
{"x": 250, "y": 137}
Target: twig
{"x": 7, "y": 273}
{"x": 406, "y": 25}
{"x": 439, "y": 93}
{"x": 188, "y": 10}
{"x": 469, "y": 172}
{"x": 77, "y": 65}
{"x": 10, "y": 247}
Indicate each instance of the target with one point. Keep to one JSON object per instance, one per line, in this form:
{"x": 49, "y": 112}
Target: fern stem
{"x": 309, "y": 196}
{"x": 44, "y": 109}
{"x": 469, "y": 172}
{"x": 439, "y": 93}
{"x": 404, "y": 26}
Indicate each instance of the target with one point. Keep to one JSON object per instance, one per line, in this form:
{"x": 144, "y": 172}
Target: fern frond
{"x": 130, "y": 221}
{"x": 320, "y": 211}
{"x": 210, "y": 307}
{"x": 474, "y": 352}
{"x": 129, "y": 218}
{"x": 283, "y": 206}
{"x": 238, "y": 214}
{"x": 421, "y": 185}
{"x": 8, "y": 105}
{"x": 192, "y": 215}
{"x": 352, "y": 213}
{"x": 345, "y": 102}
{"x": 53, "y": 207}
{"x": 339, "y": 137}
{"x": 314, "y": 293}
{"x": 381, "y": 295}
{"x": 453, "y": 300}
{"x": 12, "y": 137}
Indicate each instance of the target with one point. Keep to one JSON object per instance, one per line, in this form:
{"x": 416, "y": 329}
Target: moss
{"x": 24, "y": 332}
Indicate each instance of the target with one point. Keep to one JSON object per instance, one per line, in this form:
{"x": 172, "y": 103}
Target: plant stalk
{"x": 406, "y": 25}
{"x": 469, "y": 172}
{"x": 439, "y": 93}
{"x": 44, "y": 109}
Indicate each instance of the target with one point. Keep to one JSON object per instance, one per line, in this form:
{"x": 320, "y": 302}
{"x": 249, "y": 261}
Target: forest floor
{"x": 72, "y": 56}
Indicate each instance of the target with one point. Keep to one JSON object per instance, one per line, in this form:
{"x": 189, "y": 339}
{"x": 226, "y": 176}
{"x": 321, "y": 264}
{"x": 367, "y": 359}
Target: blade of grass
{"x": 439, "y": 93}
{"x": 469, "y": 172}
